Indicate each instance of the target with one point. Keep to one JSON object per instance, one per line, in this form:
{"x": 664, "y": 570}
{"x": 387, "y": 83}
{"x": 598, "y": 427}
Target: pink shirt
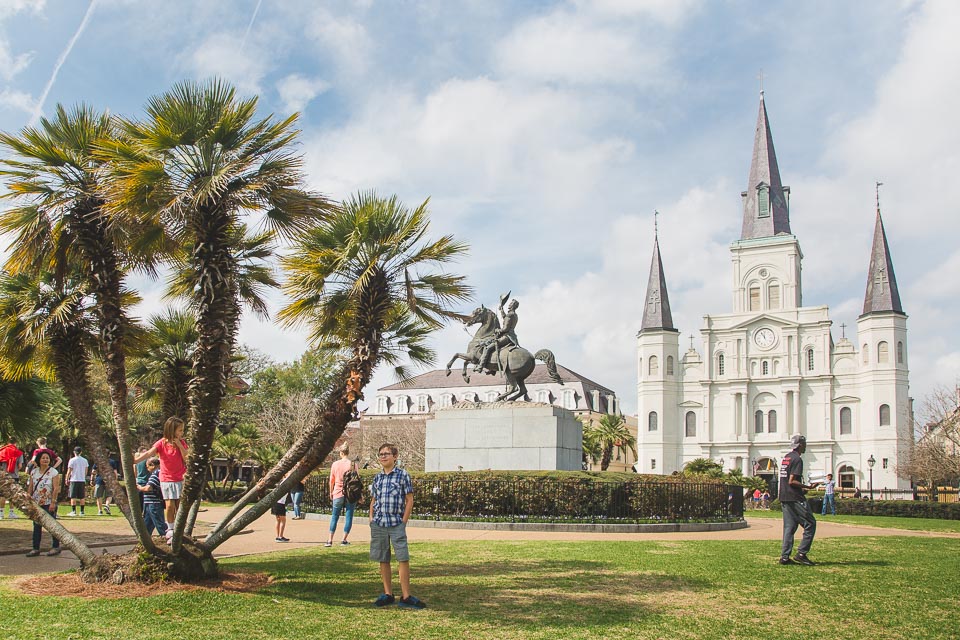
{"x": 172, "y": 464}
{"x": 337, "y": 470}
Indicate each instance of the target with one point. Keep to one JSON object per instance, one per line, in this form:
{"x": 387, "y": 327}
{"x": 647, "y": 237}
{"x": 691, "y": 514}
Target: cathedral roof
{"x": 882, "y": 293}
{"x": 764, "y": 176}
{"x": 656, "y": 306}
{"x": 438, "y": 379}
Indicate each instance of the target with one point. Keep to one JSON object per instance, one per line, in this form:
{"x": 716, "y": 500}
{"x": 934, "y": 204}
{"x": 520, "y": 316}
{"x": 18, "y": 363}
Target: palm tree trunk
{"x": 17, "y": 496}
{"x": 218, "y": 313}
{"x": 607, "y": 456}
{"x": 107, "y": 278}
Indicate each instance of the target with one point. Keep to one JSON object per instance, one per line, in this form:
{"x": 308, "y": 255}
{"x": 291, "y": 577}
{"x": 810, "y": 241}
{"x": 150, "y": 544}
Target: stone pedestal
{"x": 503, "y": 435}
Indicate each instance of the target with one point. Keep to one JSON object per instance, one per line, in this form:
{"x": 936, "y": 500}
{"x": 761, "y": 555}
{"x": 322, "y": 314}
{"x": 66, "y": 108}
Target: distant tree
{"x": 611, "y": 433}
{"x": 934, "y": 458}
{"x": 703, "y": 467}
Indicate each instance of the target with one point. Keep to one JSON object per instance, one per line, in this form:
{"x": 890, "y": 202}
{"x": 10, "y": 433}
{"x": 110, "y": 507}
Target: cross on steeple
{"x": 880, "y": 279}
{"x": 879, "y": 184}
{"x": 691, "y": 342}
{"x": 843, "y": 330}
{"x": 761, "y": 81}
{"x": 654, "y": 301}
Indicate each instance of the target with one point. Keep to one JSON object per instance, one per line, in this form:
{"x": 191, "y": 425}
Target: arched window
{"x": 763, "y": 202}
{"x": 446, "y": 400}
{"x": 755, "y": 298}
{"x": 569, "y": 402}
{"x": 866, "y": 354}
{"x": 773, "y": 295}
{"x": 884, "y": 415}
{"x": 653, "y": 366}
{"x": 423, "y": 403}
{"x": 720, "y": 364}
{"x": 383, "y": 405}
{"x": 899, "y": 353}
{"x": 691, "y": 424}
{"x": 848, "y": 477}
{"x": 543, "y": 396}
{"x": 771, "y": 421}
{"x": 669, "y": 365}
{"x": 491, "y": 396}
{"x": 758, "y": 421}
{"x": 883, "y": 351}
{"x": 765, "y": 368}
{"x": 809, "y": 359}
{"x": 846, "y": 421}
{"x": 652, "y": 421}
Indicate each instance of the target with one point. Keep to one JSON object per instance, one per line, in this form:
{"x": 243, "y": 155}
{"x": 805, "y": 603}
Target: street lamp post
{"x": 870, "y": 462}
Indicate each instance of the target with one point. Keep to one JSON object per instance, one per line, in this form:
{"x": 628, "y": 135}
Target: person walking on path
{"x": 99, "y": 491}
{"x": 279, "y": 509}
{"x": 11, "y": 458}
{"x": 391, "y": 504}
{"x": 337, "y": 471}
{"x": 796, "y": 511}
{"x": 172, "y": 450}
{"x": 296, "y": 498}
{"x": 42, "y": 447}
{"x": 828, "y": 496}
{"x": 152, "y": 496}
{"x": 43, "y": 487}
{"x": 77, "y": 481}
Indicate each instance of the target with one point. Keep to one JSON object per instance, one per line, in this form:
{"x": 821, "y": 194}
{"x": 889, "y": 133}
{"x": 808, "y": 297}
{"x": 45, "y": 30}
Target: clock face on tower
{"x": 765, "y": 337}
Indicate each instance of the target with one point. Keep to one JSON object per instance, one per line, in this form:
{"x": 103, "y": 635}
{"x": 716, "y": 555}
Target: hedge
{"x": 551, "y": 496}
{"x": 899, "y": 508}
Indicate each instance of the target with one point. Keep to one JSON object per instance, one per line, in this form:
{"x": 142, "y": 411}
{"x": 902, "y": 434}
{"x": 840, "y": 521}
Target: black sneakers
{"x": 411, "y": 602}
{"x": 786, "y": 561}
{"x": 384, "y": 600}
{"x": 801, "y": 558}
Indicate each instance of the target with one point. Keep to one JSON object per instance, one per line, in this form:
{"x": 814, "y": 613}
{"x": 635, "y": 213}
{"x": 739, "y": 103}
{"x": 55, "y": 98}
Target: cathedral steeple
{"x": 656, "y": 307}
{"x": 882, "y": 293}
{"x": 766, "y": 205}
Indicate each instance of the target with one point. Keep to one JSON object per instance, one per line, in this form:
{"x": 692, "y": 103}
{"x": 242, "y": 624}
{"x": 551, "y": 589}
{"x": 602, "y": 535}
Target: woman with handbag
{"x": 43, "y": 487}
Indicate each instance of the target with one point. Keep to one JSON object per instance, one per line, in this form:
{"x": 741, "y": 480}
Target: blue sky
{"x": 546, "y": 134}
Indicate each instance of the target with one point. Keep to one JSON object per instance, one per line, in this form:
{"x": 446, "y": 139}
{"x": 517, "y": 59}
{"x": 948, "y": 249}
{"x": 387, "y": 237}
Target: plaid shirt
{"x": 389, "y": 491}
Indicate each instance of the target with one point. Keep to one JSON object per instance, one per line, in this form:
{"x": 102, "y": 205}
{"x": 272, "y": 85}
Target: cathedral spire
{"x": 882, "y": 293}
{"x": 656, "y": 306}
{"x": 766, "y": 210}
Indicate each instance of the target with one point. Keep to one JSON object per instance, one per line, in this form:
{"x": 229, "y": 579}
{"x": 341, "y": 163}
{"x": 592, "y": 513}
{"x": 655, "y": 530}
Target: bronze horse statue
{"x": 516, "y": 362}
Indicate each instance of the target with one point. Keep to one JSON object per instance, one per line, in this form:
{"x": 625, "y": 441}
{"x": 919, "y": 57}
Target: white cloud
{"x": 346, "y": 39}
{"x": 11, "y": 7}
{"x": 668, "y": 12}
{"x": 18, "y": 100}
{"x": 225, "y": 56}
{"x": 571, "y": 47}
{"x": 297, "y": 91}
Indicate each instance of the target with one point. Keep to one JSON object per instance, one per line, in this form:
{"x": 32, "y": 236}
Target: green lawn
{"x": 871, "y": 588}
{"x": 886, "y": 522}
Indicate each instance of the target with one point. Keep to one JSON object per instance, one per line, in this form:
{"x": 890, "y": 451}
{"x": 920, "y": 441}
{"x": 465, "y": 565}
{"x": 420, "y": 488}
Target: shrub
{"x": 899, "y": 508}
{"x": 551, "y": 496}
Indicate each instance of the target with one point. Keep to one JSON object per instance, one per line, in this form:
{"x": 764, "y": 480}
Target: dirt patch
{"x": 71, "y": 585}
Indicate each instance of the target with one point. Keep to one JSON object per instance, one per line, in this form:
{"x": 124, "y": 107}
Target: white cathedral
{"x": 771, "y": 368}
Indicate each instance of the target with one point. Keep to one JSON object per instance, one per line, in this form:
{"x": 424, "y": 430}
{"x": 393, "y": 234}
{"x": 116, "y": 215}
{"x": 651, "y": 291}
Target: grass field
{"x": 886, "y": 522}
{"x": 871, "y": 588}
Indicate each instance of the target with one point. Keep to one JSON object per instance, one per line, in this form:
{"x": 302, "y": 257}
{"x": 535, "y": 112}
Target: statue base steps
{"x": 517, "y": 436}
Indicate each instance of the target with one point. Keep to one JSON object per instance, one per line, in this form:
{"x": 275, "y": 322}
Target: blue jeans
{"x": 153, "y": 516}
{"x": 797, "y": 514}
{"x": 38, "y": 530}
{"x": 828, "y": 499}
{"x": 338, "y": 505}
{"x": 297, "y": 497}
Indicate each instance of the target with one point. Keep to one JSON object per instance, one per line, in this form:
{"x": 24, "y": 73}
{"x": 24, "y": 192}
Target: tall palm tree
{"x": 163, "y": 367}
{"x": 366, "y": 282}
{"x": 611, "y": 433}
{"x": 200, "y": 163}
{"x": 58, "y": 222}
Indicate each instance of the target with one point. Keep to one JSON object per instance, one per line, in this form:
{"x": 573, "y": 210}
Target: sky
{"x": 546, "y": 134}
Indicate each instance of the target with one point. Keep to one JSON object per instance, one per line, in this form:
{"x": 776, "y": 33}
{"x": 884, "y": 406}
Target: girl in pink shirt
{"x": 172, "y": 450}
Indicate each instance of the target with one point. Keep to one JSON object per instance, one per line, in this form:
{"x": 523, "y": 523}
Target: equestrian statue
{"x": 495, "y": 348}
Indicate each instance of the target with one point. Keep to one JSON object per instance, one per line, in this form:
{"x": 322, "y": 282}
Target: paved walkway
{"x": 312, "y": 533}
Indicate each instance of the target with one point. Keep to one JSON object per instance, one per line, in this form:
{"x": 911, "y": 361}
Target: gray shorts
{"x": 380, "y": 539}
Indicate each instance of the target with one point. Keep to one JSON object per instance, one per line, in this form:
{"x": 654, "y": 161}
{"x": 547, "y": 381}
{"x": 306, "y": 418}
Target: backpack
{"x": 352, "y": 486}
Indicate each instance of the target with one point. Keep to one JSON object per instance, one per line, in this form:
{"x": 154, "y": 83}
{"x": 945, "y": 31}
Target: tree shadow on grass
{"x": 853, "y": 563}
{"x": 522, "y": 592}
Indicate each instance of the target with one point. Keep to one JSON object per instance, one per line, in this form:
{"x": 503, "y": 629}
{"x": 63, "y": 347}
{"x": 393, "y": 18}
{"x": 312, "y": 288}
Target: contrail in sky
{"x": 38, "y": 110}
{"x": 256, "y": 10}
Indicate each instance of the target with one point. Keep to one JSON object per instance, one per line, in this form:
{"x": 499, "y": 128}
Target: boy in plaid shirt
{"x": 390, "y": 507}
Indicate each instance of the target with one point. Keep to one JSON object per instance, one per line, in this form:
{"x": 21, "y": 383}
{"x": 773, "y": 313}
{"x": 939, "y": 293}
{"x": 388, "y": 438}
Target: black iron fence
{"x": 556, "y": 500}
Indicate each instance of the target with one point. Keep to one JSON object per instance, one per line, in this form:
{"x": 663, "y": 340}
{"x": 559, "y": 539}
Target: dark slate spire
{"x": 765, "y": 205}
{"x": 882, "y": 293}
{"x": 656, "y": 306}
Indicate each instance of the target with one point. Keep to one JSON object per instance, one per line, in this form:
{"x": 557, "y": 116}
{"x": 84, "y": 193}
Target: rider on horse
{"x": 506, "y": 336}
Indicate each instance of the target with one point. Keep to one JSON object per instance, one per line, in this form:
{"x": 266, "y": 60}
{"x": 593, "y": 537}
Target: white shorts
{"x": 171, "y": 490}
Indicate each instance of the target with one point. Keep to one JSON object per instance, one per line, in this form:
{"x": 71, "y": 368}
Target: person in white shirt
{"x": 43, "y": 487}
{"x": 77, "y": 481}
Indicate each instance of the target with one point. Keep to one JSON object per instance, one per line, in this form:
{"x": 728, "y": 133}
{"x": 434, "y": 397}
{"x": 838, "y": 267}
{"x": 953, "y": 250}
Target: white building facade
{"x": 770, "y": 368}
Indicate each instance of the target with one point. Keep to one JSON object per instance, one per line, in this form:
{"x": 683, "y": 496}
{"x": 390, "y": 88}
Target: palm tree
{"x": 611, "y": 432}
{"x": 199, "y": 164}
{"x": 23, "y": 407}
{"x": 703, "y": 467}
{"x": 592, "y": 450}
{"x": 58, "y": 222}
{"x": 365, "y": 282}
{"x": 163, "y": 367}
